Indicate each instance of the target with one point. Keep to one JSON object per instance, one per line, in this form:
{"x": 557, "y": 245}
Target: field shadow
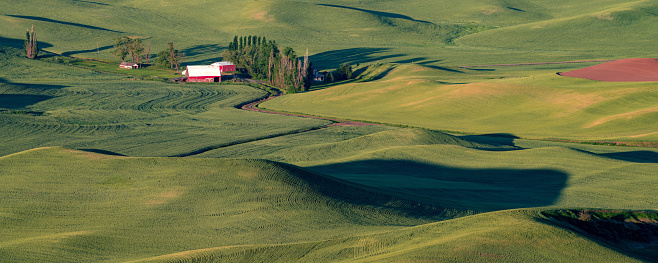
{"x": 106, "y": 152}
{"x": 334, "y": 58}
{"x": 20, "y": 101}
{"x": 36, "y": 87}
{"x": 475, "y": 189}
{"x": 377, "y": 13}
{"x": 633, "y": 156}
{"x": 495, "y": 139}
{"x": 43, "y": 19}
{"x": 427, "y": 63}
{"x": 89, "y": 2}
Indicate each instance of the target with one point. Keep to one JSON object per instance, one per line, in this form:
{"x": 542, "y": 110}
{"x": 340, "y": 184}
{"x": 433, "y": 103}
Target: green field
{"x": 99, "y": 164}
{"x": 525, "y": 102}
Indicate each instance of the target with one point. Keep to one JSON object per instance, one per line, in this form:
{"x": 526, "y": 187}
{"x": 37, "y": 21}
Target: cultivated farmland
{"x": 455, "y": 142}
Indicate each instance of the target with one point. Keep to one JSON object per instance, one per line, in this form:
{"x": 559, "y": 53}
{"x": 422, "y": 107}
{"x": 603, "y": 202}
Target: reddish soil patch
{"x": 623, "y": 70}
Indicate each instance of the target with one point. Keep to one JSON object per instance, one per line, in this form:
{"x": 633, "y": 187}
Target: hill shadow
{"x": 106, "y": 152}
{"x": 89, "y": 2}
{"x": 377, "y": 13}
{"x": 427, "y": 63}
{"x": 495, "y": 139}
{"x": 474, "y": 189}
{"x": 37, "y": 87}
{"x": 334, "y": 58}
{"x": 20, "y": 101}
{"x": 43, "y": 19}
{"x": 634, "y": 156}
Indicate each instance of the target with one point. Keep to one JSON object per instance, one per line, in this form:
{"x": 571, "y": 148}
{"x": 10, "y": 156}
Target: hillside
{"x": 475, "y": 150}
{"x": 528, "y": 104}
{"x": 508, "y": 236}
{"x": 48, "y": 104}
{"x": 431, "y": 32}
{"x": 68, "y": 205}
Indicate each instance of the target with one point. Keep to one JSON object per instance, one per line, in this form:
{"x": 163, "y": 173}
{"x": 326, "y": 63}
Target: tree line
{"x": 134, "y": 49}
{"x": 262, "y": 59}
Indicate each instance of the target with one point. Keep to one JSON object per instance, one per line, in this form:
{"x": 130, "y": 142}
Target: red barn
{"x": 224, "y": 66}
{"x": 203, "y": 74}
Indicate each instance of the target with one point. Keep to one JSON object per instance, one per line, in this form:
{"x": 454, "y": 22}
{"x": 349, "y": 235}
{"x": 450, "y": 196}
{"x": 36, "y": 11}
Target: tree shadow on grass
{"x": 335, "y": 58}
{"x": 473, "y": 189}
{"x": 20, "y": 43}
{"x": 43, "y": 19}
{"x": 91, "y": 50}
{"x": 214, "y": 51}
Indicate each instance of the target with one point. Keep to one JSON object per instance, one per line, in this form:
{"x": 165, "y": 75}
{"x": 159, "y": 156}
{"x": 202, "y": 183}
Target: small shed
{"x": 203, "y": 74}
{"x": 224, "y": 66}
{"x": 128, "y": 65}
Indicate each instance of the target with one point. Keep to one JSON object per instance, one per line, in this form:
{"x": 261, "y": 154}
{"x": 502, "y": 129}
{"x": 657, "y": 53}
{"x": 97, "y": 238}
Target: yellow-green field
{"x": 524, "y": 103}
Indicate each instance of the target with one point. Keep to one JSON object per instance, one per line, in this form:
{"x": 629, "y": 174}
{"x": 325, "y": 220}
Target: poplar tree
{"x": 31, "y": 45}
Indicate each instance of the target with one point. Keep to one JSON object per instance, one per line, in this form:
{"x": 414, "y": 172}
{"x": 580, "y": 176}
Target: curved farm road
{"x": 251, "y": 106}
{"x": 336, "y": 122}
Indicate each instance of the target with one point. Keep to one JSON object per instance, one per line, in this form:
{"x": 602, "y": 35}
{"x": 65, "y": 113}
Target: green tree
{"x": 344, "y": 72}
{"x": 170, "y": 57}
{"x": 121, "y": 49}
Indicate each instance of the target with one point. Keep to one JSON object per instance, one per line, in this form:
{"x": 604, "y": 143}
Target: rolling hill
{"x": 538, "y": 104}
{"x": 461, "y": 164}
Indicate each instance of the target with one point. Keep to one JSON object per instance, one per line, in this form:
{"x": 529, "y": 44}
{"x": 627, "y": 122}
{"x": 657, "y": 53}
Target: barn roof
{"x": 128, "y": 64}
{"x": 223, "y": 63}
{"x": 203, "y": 71}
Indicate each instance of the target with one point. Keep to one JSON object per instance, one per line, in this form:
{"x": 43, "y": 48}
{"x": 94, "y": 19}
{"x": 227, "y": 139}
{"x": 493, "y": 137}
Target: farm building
{"x": 224, "y": 66}
{"x": 203, "y": 74}
{"x": 128, "y": 65}
{"x": 317, "y": 76}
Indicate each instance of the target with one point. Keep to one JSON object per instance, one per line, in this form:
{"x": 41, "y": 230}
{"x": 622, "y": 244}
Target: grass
{"x": 68, "y": 205}
{"x": 468, "y": 172}
{"x": 510, "y": 236}
{"x": 84, "y": 109}
{"x": 302, "y": 192}
{"x": 529, "y": 104}
{"x": 437, "y": 33}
